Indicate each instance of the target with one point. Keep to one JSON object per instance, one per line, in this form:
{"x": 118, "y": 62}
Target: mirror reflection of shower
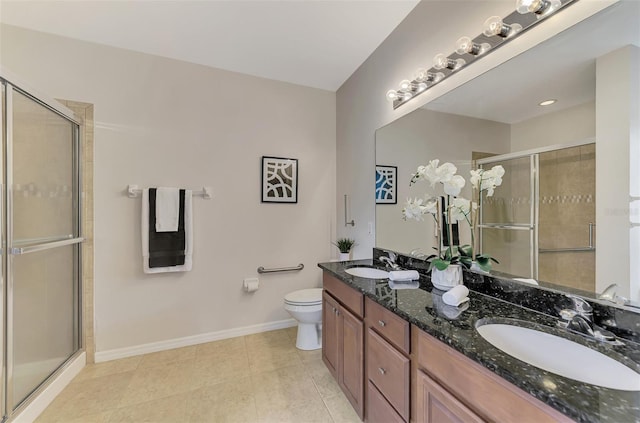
{"x": 547, "y": 229}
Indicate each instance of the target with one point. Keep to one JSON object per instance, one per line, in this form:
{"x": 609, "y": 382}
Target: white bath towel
{"x": 456, "y": 295}
{"x": 404, "y": 275}
{"x": 188, "y": 232}
{"x": 167, "y": 209}
{"x": 404, "y": 284}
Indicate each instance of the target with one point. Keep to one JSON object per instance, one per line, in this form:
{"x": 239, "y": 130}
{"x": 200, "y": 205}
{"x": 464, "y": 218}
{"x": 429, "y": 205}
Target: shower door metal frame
{"x": 9, "y": 250}
{"x": 533, "y": 226}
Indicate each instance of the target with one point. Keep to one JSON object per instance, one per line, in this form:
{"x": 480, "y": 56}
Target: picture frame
{"x": 386, "y": 184}
{"x": 279, "y": 180}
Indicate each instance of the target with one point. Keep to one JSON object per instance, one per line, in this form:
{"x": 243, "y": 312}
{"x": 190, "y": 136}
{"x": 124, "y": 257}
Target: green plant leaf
{"x": 466, "y": 262}
{"x": 466, "y": 250}
{"x": 440, "y": 264}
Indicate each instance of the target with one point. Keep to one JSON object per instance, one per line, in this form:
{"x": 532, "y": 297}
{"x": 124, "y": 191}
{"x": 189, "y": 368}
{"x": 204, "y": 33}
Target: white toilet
{"x": 305, "y": 306}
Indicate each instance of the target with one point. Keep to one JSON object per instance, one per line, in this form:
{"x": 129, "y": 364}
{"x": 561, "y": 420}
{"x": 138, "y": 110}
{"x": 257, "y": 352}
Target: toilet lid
{"x": 304, "y": 296}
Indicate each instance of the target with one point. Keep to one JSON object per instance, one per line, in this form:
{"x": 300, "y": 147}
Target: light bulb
{"x": 443, "y": 62}
{"x": 435, "y": 77}
{"x": 405, "y": 85}
{"x": 495, "y": 26}
{"x": 406, "y": 96}
{"x": 466, "y": 45}
{"x": 539, "y": 7}
{"x": 421, "y": 75}
{"x": 392, "y": 95}
{"x": 421, "y": 86}
{"x": 440, "y": 61}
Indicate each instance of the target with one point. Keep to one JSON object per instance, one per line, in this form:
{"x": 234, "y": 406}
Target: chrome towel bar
{"x": 134, "y": 191}
{"x": 281, "y": 269}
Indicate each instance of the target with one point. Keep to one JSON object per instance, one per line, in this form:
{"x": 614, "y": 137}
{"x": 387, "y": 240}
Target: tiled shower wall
{"x": 566, "y": 207}
{"x": 84, "y": 111}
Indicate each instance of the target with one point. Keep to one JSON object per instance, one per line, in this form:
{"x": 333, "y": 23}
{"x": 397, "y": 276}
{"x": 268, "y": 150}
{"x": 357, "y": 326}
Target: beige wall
{"x": 617, "y": 123}
{"x": 161, "y": 122}
{"x": 569, "y": 125}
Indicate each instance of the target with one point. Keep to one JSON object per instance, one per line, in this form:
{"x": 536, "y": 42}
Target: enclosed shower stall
{"x": 540, "y": 223}
{"x": 41, "y": 242}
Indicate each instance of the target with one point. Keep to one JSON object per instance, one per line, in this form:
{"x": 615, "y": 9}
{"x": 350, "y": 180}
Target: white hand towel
{"x": 404, "y": 284}
{"x": 167, "y": 209}
{"x": 456, "y": 295}
{"x": 403, "y": 275}
{"x": 188, "y": 234}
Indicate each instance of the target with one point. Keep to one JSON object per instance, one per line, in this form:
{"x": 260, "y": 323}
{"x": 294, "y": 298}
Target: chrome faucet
{"x": 579, "y": 318}
{"x": 390, "y": 261}
{"x": 610, "y": 294}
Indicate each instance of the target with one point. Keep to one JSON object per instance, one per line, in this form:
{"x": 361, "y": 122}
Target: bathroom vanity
{"x": 402, "y": 355}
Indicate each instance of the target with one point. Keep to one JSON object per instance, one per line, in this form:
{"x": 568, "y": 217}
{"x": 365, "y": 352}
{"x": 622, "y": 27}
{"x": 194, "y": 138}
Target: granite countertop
{"x": 455, "y": 327}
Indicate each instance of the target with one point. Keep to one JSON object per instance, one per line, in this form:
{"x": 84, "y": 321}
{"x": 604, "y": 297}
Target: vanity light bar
{"x": 496, "y": 32}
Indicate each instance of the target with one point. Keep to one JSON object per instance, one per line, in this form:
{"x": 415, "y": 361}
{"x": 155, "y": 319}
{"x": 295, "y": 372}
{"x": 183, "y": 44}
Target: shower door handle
{"x": 16, "y": 251}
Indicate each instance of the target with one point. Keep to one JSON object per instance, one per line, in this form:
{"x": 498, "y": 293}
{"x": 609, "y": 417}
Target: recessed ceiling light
{"x": 547, "y": 102}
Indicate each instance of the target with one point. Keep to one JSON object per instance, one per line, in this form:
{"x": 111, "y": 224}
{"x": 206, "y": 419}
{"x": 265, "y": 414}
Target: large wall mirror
{"x": 572, "y": 168}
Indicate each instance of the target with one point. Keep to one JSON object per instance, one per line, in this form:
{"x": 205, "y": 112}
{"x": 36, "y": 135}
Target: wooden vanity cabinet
{"x": 452, "y": 387}
{"x": 343, "y": 338}
{"x": 388, "y": 365}
{"x": 435, "y": 405}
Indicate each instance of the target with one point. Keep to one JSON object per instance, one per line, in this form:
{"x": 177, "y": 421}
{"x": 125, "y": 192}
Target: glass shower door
{"x": 508, "y": 219}
{"x": 43, "y": 239}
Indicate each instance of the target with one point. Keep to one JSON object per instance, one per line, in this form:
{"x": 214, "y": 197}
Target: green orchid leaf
{"x": 466, "y": 250}
{"x": 440, "y": 264}
{"x": 466, "y": 262}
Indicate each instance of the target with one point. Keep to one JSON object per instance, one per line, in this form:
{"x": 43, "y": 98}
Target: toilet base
{"x": 309, "y": 336}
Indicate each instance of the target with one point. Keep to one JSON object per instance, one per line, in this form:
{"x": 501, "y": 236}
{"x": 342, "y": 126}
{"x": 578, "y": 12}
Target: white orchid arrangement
{"x": 459, "y": 209}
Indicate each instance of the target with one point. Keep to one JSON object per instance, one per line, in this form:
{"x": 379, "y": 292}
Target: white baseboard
{"x": 191, "y": 340}
{"x": 42, "y": 401}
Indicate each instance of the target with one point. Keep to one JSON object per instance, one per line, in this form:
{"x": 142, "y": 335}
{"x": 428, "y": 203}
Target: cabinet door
{"x": 436, "y": 405}
{"x": 351, "y": 375}
{"x": 330, "y": 334}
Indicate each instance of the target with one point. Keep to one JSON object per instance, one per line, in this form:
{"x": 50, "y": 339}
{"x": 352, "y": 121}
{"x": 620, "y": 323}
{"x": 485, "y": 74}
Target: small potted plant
{"x": 344, "y": 245}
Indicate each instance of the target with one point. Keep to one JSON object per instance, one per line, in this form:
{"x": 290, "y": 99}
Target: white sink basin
{"x": 367, "y": 272}
{"x": 560, "y": 356}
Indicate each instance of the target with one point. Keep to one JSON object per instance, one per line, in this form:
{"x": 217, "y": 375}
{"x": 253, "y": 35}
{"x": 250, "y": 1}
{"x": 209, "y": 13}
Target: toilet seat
{"x": 304, "y": 297}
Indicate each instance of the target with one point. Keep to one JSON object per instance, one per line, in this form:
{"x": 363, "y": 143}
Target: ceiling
{"x": 561, "y": 68}
{"x": 316, "y": 43}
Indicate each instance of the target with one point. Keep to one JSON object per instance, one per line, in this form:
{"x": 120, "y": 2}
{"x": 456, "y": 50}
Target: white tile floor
{"x": 255, "y": 378}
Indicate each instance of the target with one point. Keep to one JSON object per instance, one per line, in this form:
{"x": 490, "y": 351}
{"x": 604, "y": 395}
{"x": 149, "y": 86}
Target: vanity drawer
{"x": 388, "y": 369}
{"x": 378, "y": 409}
{"x": 348, "y": 296}
{"x": 393, "y": 328}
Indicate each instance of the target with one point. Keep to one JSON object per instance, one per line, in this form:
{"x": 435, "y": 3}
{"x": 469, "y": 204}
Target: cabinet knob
{"x": 381, "y": 370}
{"x": 382, "y": 323}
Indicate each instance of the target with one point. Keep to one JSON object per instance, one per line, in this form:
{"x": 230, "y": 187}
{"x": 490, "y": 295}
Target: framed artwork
{"x": 279, "y": 180}
{"x": 386, "y": 178}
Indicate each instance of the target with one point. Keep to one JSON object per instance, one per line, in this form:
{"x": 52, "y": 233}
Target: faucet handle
{"x": 581, "y": 325}
{"x": 581, "y": 305}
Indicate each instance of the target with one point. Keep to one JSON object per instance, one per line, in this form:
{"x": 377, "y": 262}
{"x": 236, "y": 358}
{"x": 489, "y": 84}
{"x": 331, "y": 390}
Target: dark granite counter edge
{"x": 573, "y": 409}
